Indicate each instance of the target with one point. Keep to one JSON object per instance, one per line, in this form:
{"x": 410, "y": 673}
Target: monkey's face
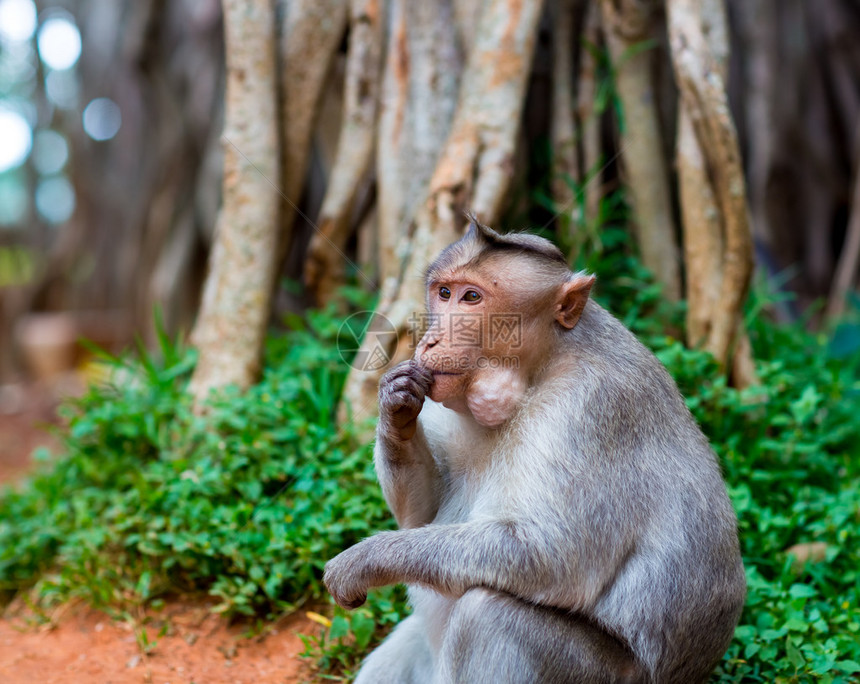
{"x": 499, "y": 306}
{"x": 473, "y": 347}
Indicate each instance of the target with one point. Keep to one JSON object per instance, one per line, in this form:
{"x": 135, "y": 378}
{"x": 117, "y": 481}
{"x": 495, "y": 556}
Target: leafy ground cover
{"x": 246, "y": 502}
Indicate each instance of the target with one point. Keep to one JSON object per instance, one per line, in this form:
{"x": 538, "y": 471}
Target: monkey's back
{"x": 678, "y": 595}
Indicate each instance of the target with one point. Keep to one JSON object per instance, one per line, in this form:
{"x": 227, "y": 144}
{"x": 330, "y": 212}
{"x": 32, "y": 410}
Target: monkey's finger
{"x": 422, "y": 376}
{"x": 417, "y": 377}
{"x": 423, "y": 379}
{"x": 408, "y": 383}
{"x": 401, "y": 369}
{"x": 334, "y": 588}
{"x": 404, "y": 400}
{"x": 408, "y": 369}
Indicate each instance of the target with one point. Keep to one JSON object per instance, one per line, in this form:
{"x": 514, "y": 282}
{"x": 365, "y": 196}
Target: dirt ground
{"x": 83, "y": 646}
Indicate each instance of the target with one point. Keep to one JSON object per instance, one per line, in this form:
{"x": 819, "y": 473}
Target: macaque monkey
{"x": 562, "y": 517}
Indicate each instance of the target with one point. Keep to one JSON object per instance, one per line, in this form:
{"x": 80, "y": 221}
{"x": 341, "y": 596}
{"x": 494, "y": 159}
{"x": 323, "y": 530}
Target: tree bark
{"x": 325, "y": 259}
{"x": 473, "y": 171}
{"x": 232, "y": 322}
{"x": 590, "y": 177}
{"x": 713, "y": 195}
{"x": 562, "y": 123}
{"x": 627, "y": 25}
{"x": 467, "y": 14}
{"x": 702, "y": 223}
{"x": 311, "y": 32}
{"x": 703, "y": 233}
{"x": 419, "y": 96}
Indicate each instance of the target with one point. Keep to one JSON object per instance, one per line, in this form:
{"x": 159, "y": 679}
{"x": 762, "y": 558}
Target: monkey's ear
{"x": 572, "y": 298}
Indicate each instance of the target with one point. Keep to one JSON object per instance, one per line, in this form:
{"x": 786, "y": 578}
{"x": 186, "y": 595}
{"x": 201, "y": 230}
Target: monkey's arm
{"x": 410, "y": 480}
{"x": 517, "y": 559}
{"x": 406, "y": 469}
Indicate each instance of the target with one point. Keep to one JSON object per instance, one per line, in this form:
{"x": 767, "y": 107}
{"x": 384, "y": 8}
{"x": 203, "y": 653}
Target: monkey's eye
{"x": 444, "y": 293}
{"x": 471, "y": 296}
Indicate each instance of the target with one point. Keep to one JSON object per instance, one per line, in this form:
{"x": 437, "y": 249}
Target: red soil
{"x": 85, "y": 646}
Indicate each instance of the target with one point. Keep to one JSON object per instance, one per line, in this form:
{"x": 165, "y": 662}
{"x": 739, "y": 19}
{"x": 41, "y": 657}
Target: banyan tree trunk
{"x": 628, "y": 26}
{"x": 718, "y": 244}
{"x": 235, "y": 307}
{"x": 325, "y": 265}
{"x": 562, "y": 131}
{"x": 846, "y": 270}
{"x": 589, "y": 177}
{"x": 419, "y": 96}
{"x": 311, "y": 31}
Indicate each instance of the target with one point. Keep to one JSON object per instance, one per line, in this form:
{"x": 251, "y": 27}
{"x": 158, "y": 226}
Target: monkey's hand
{"x": 401, "y": 396}
{"x": 344, "y": 577}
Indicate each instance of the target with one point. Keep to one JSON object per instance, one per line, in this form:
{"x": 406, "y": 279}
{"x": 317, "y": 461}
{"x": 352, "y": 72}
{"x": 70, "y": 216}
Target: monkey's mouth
{"x": 435, "y": 373}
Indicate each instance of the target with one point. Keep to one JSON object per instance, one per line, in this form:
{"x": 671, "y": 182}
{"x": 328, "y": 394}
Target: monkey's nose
{"x": 425, "y": 346}
{"x": 430, "y": 339}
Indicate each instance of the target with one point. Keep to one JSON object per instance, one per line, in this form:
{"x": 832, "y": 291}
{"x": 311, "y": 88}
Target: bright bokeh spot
{"x": 16, "y": 138}
{"x": 59, "y": 43}
{"x": 102, "y": 119}
{"x": 55, "y": 199}
{"x": 50, "y": 152}
{"x": 17, "y": 20}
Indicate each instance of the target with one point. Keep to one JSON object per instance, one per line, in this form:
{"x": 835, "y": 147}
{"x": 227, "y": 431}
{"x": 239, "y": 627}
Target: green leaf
{"x": 794, "y": 656}
{"x": 339, "y": 627}
{"x": 797, "y": 625}
{"x": 847, "y": 666}
{"x": 362, "y": 626}
{"x": 142, "y": 588}
{"x": 802, "y": 591}
{"x": 751, "y": 649}
{"x": 772, "y": 634}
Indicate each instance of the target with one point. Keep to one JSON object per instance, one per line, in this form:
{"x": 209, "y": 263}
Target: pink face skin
{"x": 483, "y": 377}
{"x": 468, "y": 378}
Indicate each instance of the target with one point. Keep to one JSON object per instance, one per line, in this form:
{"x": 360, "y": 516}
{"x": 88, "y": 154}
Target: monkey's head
{"x": 498, "y": 307}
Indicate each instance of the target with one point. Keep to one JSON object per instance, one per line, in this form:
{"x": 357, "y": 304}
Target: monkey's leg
{"x": 403, "y": 658}
{"x": 494, "y": 637}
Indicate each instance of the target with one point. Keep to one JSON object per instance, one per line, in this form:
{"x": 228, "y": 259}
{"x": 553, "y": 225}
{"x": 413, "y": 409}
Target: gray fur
{"x": 589, "y": 539}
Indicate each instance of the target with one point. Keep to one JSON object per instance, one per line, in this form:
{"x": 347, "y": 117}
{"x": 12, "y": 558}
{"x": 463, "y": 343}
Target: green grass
{"x": 247, "y": 502}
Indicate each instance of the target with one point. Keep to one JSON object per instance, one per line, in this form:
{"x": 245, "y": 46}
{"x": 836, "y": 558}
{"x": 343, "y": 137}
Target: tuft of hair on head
{"x": 479, "y": 230}
{"x": 524, "y": 242}
{"x": 481, "y": 242}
